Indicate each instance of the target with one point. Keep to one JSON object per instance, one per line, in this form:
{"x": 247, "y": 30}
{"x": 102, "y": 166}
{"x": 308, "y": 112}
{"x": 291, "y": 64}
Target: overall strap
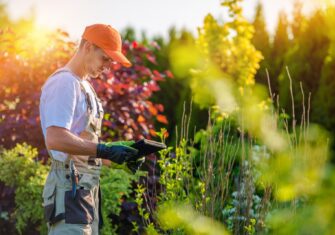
{"x": 87, "y": 98}
{"x": 97, "y": 101}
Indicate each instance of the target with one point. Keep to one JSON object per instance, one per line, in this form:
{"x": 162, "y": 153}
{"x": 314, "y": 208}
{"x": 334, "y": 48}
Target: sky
{"x": 154, "y": 17}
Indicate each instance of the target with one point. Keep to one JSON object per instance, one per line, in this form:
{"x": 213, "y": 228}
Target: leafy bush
{"x": 20, "y": 169}
{"x": 126, "y": 94}
{"x": 116, "y": 184}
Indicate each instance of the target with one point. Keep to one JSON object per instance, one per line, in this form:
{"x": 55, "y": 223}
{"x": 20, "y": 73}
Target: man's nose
{"x": 106, "y": 67}
{"x": 108, "y": 64}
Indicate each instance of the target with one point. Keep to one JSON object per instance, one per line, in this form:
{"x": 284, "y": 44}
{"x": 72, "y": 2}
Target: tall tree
{"x": 280, "y": 46}
{"x": 299, "y": 20}
{"x": 261, "y": 41}
{"x": 305, "y": 61}
{"x": 261, "y": 38}
{"x": 323, "y": 103}
{"x": 281, "y": 40}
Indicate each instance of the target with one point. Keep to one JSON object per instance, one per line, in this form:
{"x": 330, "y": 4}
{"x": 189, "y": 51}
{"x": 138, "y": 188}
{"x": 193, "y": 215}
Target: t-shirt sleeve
{"x": 60, "y": 97}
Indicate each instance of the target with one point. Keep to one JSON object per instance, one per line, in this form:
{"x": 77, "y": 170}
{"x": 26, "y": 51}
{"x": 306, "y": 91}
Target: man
{"x": 71, "y": 116}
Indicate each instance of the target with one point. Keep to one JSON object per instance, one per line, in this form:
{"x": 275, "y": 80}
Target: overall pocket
{"x": 49, "y": 201}
{"x": 79, "y": 210}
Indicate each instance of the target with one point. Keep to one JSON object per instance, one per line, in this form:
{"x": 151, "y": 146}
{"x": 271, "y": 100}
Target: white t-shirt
{"x": 63, "y": 104}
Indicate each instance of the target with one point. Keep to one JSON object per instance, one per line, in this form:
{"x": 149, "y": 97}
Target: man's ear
{"x": 87, "y": 46}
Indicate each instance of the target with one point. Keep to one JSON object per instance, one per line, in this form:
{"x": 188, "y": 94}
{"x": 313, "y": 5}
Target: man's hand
{"x": 135, "y": 164}
{"x": 118, "y": 153}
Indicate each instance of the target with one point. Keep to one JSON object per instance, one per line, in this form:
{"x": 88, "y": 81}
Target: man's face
{"x": 96, "y": 61}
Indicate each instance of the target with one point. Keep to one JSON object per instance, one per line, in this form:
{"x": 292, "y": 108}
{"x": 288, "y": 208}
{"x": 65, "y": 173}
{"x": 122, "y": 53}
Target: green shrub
{"x": 115, "y": 183}
{"x": 20, "y": 169}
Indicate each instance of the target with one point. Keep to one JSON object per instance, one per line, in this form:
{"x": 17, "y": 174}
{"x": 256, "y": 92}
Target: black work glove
{"x": 118, "y": 153}
{"x": 135, "y": 164}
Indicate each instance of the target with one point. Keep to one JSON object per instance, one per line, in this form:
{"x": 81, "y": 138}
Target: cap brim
{"x": 118, "y": 57}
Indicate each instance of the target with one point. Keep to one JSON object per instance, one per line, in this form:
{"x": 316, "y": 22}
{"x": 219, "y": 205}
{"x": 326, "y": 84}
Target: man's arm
{"x": 61, "y": 139}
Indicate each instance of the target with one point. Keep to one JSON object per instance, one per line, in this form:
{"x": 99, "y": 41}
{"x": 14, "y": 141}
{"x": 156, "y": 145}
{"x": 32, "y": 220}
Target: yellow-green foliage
{"x": 20, "y": 169}
{"x": 222, "y": 66}
{"x": 223, "y": 53}
{"x": 297, "y": 171}
{"x": 229, "y": 47}
{"x": 183, "y": 217}
{"x": 174, "y": 171}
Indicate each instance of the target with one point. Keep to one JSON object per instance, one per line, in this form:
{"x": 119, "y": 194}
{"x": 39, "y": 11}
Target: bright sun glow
{"x": 31, "y": 39}
{"x": 38, "y": 38}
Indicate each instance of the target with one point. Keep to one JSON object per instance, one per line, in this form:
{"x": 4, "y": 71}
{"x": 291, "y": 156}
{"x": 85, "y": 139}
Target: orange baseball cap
{"x": 108, "y": 39}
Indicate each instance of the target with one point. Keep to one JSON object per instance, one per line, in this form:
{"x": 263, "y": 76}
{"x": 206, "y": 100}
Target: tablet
{"x": 146, "y": 147}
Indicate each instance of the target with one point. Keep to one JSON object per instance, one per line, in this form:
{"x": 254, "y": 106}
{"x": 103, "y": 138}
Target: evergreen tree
{"x": 261, "y": 41}
{"x": 280, "y": 46}
{"x": 323, "y": 102}
{"x": 305, "y": 61}
{"x": 129, "y": 34}
{"x": 299, "y": 20}
{"x": 281, "y": 40}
